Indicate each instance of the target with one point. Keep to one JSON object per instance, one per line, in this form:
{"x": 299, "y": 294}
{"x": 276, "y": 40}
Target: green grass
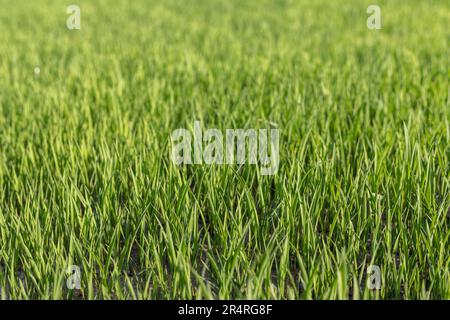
{"x": 85, "y": 171}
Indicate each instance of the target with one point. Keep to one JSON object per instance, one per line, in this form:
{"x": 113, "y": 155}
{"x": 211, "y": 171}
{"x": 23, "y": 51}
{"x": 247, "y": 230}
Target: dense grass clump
{"x": 86, "y": 177}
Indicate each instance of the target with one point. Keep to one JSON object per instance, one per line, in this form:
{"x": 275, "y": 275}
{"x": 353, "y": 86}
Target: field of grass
{"x": 86, "y": 176}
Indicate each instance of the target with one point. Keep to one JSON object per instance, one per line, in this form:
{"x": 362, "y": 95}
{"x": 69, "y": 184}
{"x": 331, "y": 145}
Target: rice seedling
{"x": 87, "y": 180}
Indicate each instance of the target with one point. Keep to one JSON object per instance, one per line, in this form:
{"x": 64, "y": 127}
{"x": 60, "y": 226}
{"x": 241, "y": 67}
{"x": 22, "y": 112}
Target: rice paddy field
{"x": 87, "y": 180}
